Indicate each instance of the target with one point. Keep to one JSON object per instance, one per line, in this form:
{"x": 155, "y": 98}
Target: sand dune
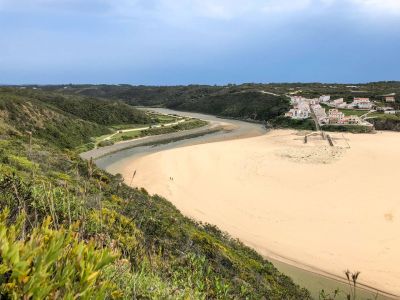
{"x": 320, "y": 207}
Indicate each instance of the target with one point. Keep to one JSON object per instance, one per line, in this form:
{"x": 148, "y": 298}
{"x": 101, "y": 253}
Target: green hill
{"x": 261, "y": 102}
{"x": 66, "y": 120}
{"x": 22, "y": 113}
{"x": 242, "y": 105}
{"x": 70, "y": 230}
{"x": 100, "y": 111}
{"x": 246, "y": 101}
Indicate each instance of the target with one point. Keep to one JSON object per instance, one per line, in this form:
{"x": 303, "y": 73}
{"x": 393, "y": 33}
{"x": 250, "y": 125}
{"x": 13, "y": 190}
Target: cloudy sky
{"x": 198, "y": 41}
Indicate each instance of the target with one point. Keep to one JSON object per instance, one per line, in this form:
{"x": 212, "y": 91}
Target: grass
{"x": 75, "y": 231}
{"x": 188, "y": 124}
{"x": 347, "y": 112}
{"x": 155, "y": 118}
{"x": 128, "y": 126}
{"x": 383, "y": 116}
{"x": 126, "y": 136}
{"x": 81, "y": 231}
{"x": 160, "y": 118}
{"x": 285, "y": 122}
{"x": 348, "y": 128}
{"x": 353, "y": 112}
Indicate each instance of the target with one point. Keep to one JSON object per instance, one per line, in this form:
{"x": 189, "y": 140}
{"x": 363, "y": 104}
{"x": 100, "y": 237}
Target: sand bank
{"x": 153, "y": 139}
{"x": 323, "y": 208}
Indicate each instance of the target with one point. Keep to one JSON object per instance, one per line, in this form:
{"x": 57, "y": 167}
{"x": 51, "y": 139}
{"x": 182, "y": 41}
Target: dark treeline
{"x": 262, "y": 102}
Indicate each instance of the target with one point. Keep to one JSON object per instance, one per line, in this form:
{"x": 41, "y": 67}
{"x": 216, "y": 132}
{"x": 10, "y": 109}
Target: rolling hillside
{"x": 70, "y": 230}
{"x": 20, "y": 114}
{"x": 260, "y": 102}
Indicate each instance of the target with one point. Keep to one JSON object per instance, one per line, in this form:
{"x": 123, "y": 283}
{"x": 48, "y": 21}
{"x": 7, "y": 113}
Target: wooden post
{"x": 330, "y": 140}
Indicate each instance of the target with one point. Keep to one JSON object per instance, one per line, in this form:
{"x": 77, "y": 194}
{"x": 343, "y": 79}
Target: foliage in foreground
{"x": 49, "y": 263}
{"x": 111, "y": 240}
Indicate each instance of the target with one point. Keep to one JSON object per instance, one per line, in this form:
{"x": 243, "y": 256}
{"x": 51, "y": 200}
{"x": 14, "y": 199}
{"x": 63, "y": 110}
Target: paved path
{"x": 142, "y": 128}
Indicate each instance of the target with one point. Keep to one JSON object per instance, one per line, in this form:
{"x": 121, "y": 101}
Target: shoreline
{"x": 303, "y": 266}
{"x": 271, "y": 256}
{"x": 152, "y": 140}
{"x": 246, "y": 220}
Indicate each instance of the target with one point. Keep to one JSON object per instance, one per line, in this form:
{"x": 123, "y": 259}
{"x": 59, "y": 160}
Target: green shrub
{"x": 285, "y": 122}
{"x": 50, "y": 264}
{"x": 105, "y": 143}
{"x": 22, "y": 163}
{"x": 348, "y": 128}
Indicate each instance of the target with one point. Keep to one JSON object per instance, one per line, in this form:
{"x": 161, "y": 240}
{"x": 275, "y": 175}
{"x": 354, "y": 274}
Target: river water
{"x": 313, "y": 281}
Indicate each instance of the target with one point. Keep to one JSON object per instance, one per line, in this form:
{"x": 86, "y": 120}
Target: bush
{"x": 50, "y": 263}
{"x": 349, "y": 128}
{"x": 105, "y": 143}
{"x": 285, "y": 122}
{"x": 22, "y": 163}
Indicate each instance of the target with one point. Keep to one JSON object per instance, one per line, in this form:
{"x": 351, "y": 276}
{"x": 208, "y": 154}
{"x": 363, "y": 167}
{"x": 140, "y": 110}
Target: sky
{"x": 169, "y": 42}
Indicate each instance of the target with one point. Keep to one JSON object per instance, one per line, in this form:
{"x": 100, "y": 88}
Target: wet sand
{"x": 217, "y": 129}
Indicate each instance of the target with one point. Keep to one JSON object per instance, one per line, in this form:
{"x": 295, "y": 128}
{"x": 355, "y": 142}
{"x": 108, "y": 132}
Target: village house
{"x": 313, "y": 101}
{"x": 390, "y": 99}
{"x": 301, "y": 110}
{"x": 296, "y": 113}
{"x": 325, "y": 98}
{"x": 384, "y": 108}
{"x": 296, "y": 99}
{"x": 362, "y": 103}
{"x": 352, "y": 120}
{"x": 338, "y": 103}
{"x": 390, "y": 112}
{"x": 335, "y": 116}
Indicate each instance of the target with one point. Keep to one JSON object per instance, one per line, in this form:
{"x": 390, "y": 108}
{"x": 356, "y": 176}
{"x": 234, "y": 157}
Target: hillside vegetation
{"x": 245, "y": 102}
{"x": 260, "y": 102}
{"x": 100, "y": 111}
{"x": 23, "y": 114}
{"x": 68, "y": 121}
{"x": 70, "y": 230}
{"x": 243, "y": 105}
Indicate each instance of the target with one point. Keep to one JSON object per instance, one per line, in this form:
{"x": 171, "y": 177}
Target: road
{"x": 142, "y": 128}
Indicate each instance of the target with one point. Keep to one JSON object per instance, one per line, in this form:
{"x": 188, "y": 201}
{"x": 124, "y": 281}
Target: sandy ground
{"x": 322, "y": 208}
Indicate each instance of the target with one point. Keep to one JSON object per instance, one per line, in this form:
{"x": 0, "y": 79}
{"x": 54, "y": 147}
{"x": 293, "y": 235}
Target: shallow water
{"x": 315, "y": 283}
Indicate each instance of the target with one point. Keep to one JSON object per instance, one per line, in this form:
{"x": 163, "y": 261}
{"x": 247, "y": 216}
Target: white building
{"x": 296, "y": 113}
{"x": 384, "y": 108}
{"x": 313, "y": 101}
{"x": 390, "y": 99}
{"x": 335, "y": 116}
{"x": 352, "y": 120}
{"x": 296, "y": 99}
{"x": 325, "y": 98}
{"x": 390, "y": 112}
{"x": 338, "y": 103}
{"x": 362, "y": 103}
{"x": 301, "y": 110}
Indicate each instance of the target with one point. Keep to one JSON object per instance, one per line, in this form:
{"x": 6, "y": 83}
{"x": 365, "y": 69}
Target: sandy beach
{"x": 324, "y": 208}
